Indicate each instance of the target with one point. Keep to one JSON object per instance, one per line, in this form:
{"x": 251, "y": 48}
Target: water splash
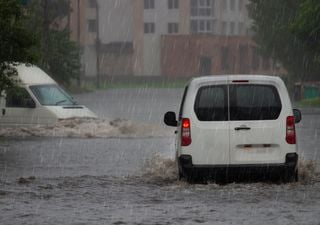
{"x": 160, "y": 169}
{"x": 309, "y": 171}
{"x": 88, "y": 128}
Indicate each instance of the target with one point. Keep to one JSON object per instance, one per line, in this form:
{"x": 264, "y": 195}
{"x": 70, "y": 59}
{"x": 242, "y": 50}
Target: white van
{"x": 236, "y": 124}
{"x": 37, "y": 100}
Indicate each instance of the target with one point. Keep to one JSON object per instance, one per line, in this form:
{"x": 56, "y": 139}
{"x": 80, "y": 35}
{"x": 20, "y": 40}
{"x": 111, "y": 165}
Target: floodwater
{"x": 127, "y": 175}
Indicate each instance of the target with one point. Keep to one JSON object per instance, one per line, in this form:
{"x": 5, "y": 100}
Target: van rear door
{"x": 255, "y": 126}
{"x": 210, "y": 132}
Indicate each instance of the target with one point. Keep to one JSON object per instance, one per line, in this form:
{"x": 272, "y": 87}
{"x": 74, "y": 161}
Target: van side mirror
{"x": 170, "y": 119}
{"x": 297, "y": 115}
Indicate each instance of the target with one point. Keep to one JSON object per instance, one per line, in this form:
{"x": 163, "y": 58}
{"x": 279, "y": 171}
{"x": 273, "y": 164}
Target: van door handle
{"x": 242, "y": 128}
{"x": 3, "y": 112}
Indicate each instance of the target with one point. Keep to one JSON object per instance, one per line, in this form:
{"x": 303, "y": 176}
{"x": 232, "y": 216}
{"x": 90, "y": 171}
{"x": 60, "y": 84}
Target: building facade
{"x": 83, "y": 28}
{"x": 149, "y": 37}
{"x": 104, "y": 30}
{"x": 174, "y": 21}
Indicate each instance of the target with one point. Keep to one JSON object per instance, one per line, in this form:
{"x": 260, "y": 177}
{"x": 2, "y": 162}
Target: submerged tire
{"x": 290, "y": 176}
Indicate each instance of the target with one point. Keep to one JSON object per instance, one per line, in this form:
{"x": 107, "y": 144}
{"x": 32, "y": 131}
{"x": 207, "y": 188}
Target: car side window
{"x": 18, "y": 98}
{"x": 212, "y": 103}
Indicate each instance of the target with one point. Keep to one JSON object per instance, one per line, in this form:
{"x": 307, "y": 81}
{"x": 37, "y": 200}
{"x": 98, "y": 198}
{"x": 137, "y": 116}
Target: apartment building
{"x": 172, "y": 22}
{"x": 131, "y": 37}
{"x": 83, "y": 27}
{"x": 152, "y": 19}
{"x": 219, "y": 17}
{"x": 104, "y": 30}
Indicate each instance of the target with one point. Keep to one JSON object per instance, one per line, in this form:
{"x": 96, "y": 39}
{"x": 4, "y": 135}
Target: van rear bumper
{"x": 187, "y": 169}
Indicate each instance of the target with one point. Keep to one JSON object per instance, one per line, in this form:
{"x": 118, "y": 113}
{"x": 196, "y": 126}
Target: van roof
{"x": 249, "y": 77}
{"x": 32, "y": 75}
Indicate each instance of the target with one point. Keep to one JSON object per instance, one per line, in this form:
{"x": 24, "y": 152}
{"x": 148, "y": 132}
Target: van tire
{"x": 290, "y": 176}
{"x": 189, "y": 177}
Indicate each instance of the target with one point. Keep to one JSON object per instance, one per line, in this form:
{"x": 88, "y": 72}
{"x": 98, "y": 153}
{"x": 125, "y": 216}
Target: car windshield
{"x": 51, "y": 95}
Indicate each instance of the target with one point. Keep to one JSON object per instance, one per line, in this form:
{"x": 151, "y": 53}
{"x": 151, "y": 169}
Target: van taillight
{"x": 185, "y": 132}
{"x": 290, "y": 130}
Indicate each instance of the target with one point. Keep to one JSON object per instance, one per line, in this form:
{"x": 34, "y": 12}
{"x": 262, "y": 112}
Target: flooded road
{"x": 132, "y": 180}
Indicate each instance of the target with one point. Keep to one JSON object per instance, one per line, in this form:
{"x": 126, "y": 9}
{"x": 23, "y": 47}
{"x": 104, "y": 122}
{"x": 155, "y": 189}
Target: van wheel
{"x": 179, "y": 170}
{"x": 191, "y": 178}
{"x": 291, "y": 176}
{"x": 180, "y": 175}
{"x": 296, "y": 175}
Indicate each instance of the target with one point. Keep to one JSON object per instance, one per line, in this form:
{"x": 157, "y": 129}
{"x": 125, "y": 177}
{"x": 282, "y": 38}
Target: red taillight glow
{"x": 185, "y": 132}
{"x": 290, "y": 130}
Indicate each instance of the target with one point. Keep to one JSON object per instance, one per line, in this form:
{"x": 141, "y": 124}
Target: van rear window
{"x": 212, "y": 103}
{"x": 254, "y": 102}
{"x": 246, "y": 101}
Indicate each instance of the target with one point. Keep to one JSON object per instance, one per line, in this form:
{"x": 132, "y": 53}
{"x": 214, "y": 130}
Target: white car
{"x": 236, "y": 124}
{"x": 37, "y": 100}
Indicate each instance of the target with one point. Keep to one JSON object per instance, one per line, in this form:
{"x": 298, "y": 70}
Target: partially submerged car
{"x": 38, "y": 99}
{"x": 236, "y": 125}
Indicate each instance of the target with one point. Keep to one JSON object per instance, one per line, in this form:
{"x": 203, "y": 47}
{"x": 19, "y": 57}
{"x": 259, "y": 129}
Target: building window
{"x": 240, "y": 5}
{"x": 149, "y": 28}
{"x": 224, "y": 28}
{"x": 194, "y": 26}
{"x": 232, "y": 28}
{"x": 241, "y": 28}
{"x": 173, "y": 4}
{"x": 92, "y": 3}
{"x": 92, "y": 25}
{"x": 224, "y": 5}
{"x": 201, "y": 26}
{"x": 201, "y": 8}
{"x": 148, "y": 4}
{"x": 232, "y": 5}
{"x": 173, "y": 28}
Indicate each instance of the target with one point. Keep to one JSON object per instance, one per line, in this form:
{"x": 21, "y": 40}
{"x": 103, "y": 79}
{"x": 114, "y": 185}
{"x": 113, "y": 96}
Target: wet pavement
{"x": 55, "y": 180}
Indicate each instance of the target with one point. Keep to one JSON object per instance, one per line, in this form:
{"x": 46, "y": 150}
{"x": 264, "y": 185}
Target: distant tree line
{"x": 30, "y": 32}
{"x": 289, "y": 32}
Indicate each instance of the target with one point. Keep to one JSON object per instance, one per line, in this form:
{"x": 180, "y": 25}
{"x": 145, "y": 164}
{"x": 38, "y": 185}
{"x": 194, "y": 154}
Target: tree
{"x": 306, "y": 26}
{"x": 59, "y": 56}
{"x": 17, "y": 44}
{"x": 272, "y": 24}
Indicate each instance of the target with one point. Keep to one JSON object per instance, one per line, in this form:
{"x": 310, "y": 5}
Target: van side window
{"x": 182, "y": 102}
{"x": 254, "y": 102}
{"x": 212, "y": 103}
{"x": 18, "y": 98}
